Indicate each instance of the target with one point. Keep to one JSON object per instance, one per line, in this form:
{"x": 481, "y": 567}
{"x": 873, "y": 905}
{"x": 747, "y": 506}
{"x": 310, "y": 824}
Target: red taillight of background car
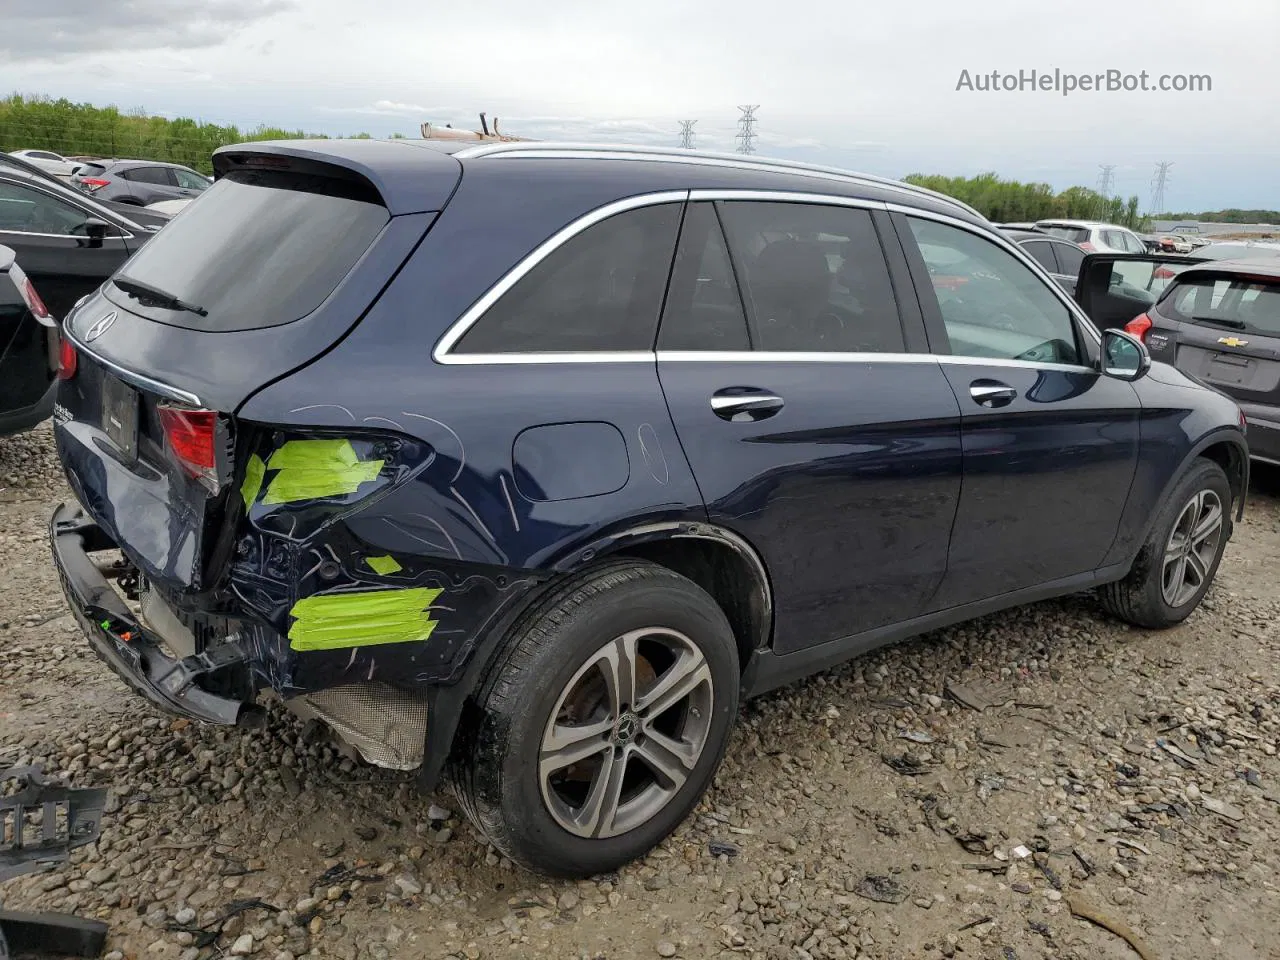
{"x": 66, "y": 360}
{"x": 1163, "y": 273}
{"x": 1088, "y": 247}
{"x": 1139, "y": 326}
{"x": 192, "y": 436}
{"x": 93, "y": 183}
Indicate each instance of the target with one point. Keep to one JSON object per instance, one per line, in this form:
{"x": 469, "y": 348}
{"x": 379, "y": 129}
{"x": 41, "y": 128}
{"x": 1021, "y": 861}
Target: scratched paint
{"x": 337, "y": 621}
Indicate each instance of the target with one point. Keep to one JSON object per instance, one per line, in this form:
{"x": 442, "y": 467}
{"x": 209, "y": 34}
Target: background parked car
{"x": 29, "y": 350}
{"x": 1243, "y": 250}
{"x": 140, "y": 182}
{"x": 1175, "y": 244}
{"x": 67, "y": 243}
{"x": 151, "y": 218}
{"x": 48, "y": 161}
{"x": 1061, "y": 258}
{"x": 1220, "y": 322}
{"x": 1095, "y": 236}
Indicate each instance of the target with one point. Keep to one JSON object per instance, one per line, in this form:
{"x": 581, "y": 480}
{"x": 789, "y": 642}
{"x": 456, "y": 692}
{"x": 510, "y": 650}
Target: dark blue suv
{"x": 521, "y": 464}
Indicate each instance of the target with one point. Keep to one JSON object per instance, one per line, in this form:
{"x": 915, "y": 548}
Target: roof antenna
{"x": 484, "y": 124}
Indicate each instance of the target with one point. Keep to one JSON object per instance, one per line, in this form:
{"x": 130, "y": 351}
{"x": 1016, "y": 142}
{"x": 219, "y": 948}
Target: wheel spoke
{"x": 684, "y": 676}
{"x": 565, "y": 745}
{"x": 1209, "y": 522}
{"x": 1174, "y": 550}
{"x": 600, "y": 809}
{"x": 671, "y": 760}
{"x": 1197, "y": 568}
{"x": 618, "y": 664}
{"x": 1175, "y": 574}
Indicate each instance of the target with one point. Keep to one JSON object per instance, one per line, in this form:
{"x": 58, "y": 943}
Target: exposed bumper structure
{"x": 136, "y": 655}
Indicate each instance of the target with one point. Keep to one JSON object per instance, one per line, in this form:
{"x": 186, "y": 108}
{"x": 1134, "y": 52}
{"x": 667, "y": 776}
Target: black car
{"x": 30, "y": 350}
{"x": 139, "y": 182}
{"x": 67, "y": 243}
{"x": 1060, "y": 258}
{"x": 524, "y": 463}
{"x": 1220, "y": 323}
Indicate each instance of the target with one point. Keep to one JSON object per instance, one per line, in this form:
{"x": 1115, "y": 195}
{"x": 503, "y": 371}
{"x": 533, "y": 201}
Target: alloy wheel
{"x": 626, "y": 733}
{"x": 1191, "y": 549}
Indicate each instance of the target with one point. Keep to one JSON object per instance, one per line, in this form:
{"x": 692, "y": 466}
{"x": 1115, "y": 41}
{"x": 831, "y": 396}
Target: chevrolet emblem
{"x": 1233, "y": 341}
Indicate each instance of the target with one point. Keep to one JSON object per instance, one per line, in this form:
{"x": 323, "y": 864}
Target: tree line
{"x": 1009, "y": 201}
{"x": 1230, "y": 215}
{"x": 81, "y": 129}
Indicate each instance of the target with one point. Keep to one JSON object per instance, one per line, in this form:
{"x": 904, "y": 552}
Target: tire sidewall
{"x": 518, "y": 730}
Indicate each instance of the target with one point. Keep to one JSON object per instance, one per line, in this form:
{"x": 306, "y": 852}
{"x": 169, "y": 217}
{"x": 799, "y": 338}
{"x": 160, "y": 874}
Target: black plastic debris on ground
{"x": 907, "y": 764}
{"x": 881, "y": 889}
{"x": 723, "y": 848}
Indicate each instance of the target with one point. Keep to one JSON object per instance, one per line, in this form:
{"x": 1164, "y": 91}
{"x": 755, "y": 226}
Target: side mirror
{"x": 96, "y": 230}
{"x": 1124, "y": 356}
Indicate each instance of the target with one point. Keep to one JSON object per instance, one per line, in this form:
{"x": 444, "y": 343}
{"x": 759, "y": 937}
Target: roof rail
{"x": 746, "y": 161}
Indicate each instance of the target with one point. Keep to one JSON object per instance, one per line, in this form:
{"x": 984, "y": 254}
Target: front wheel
{"x": 604, "y": 719}
{"x": 1177, "y": 564}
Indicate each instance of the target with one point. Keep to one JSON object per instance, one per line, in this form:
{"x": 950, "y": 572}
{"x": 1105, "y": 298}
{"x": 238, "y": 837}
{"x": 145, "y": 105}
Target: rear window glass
{"x": 1229, "y": 301}
{"x": 260, "y": 249}
{"x": 1074, "y": 234}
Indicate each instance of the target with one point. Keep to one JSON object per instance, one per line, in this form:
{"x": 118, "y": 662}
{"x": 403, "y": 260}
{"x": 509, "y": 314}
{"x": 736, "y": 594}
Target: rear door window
{"x": 263, "y": 248}
{"x": 158, "y": 175}
{"x": 704, "y": 308}
{"x": 599, "y": 292}
{"x": 1230, "y": 302}
{"x": 1070, "y": 258}
{"x": 814, "y": 277}
{"x": 1042, "y": 252}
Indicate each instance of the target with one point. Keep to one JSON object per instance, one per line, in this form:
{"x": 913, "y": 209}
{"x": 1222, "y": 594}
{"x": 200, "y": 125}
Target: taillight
{"x": 1163, "y": 273}
{"x": 66, "y": 360}
{"x": 93, "y": 183}
{"x": 1088, "y": 246}
{"x": 192, "y": 436}
{"x": 1139, "y": 326}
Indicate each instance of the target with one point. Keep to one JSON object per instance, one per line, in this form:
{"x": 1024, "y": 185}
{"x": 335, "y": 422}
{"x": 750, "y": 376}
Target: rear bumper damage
{"x": 134, "y": 653}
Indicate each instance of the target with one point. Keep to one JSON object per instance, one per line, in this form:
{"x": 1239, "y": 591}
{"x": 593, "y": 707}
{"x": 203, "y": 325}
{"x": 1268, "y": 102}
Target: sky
{"x": 884, "y": 88}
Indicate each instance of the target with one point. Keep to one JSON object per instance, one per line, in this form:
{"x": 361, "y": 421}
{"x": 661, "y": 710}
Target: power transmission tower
{"x": 1158, "y": 183}
{"x": 1106, "y": 177}
{"x": 686, "y": 134}
{"x": 747, "y": 129}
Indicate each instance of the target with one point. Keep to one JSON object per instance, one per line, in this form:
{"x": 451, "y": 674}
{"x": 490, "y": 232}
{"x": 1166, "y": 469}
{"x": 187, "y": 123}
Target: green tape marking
{"x": 313, "y": 469}
{"x": 383, "y": 565}
{"x": 254, "y": 471}
{"x": 337, "y": 621}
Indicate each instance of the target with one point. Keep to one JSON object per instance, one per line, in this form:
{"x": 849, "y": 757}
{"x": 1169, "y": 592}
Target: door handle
{"x": 754, "y": 405}
{"x": 992, "y": 393}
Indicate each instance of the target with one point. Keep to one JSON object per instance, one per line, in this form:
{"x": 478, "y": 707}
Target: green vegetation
{"x": 81, "y": 129}
{"x": 1008, "y": 201}
{"x": 1232, "y": 215}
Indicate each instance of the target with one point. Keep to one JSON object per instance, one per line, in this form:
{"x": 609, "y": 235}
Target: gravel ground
{"x": 960, "y": 795}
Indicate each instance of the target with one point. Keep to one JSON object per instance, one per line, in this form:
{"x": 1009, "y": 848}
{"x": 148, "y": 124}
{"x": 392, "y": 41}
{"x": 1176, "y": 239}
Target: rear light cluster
{"x": 93, "y": 184}
{"x": 193, "y": 438}
{"x": 1086, "y": 245}
{"x": 27, "y": 291}
{"x": 1139, "y": 326}
{"x": 66, "y": 360}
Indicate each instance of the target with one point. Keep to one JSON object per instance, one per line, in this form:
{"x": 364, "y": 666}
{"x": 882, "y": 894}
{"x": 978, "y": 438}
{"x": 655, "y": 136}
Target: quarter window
{"x": 1069, "y": 258}
{"x": 23, "y": 210}
{"x": 601, "y": 291}
{"x": 704, "y": 308}
{"x": 1042, "y": 252}
{"x": 992, "y": 305}
{"x": 814, "y": 276}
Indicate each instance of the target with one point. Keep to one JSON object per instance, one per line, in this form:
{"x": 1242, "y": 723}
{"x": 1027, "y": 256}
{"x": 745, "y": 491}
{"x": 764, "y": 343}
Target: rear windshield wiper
{"x": 156, "y": 297}
{"x": 1222, "y": 322}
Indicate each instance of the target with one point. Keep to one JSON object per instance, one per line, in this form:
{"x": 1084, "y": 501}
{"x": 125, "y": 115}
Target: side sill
{"x": 768, "y": 671}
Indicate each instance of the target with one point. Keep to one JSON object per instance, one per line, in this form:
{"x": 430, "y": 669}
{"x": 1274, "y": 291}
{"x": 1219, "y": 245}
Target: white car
{"x": 169, "y": 207}
{"x": 1095, "y": 236}
{"x": 48, "y": 161}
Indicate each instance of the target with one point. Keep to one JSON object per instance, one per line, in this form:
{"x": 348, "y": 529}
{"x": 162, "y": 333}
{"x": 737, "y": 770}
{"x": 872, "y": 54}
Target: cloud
{"x": 62, "y": 29}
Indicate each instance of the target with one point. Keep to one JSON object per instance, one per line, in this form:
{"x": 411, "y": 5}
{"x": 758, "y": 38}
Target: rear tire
{"x": 1177, "y": 564}
{"x": 604, "y": 718}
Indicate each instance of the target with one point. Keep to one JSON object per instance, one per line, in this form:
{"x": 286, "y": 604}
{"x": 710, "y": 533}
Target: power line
{"x": 747, "y": 128}
{"x": 686, "y": 134}
{"x": 1158, "y": 184}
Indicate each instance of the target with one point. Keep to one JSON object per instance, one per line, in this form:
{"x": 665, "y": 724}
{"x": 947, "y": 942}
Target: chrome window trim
{"x": 129, "y": 376}
{"x": 782, "y": 356}
{"x": 71, "y": 200}
{"x": 785, "y": 196}
{"x": 496, "y": 359}
{"x": 1072, "y": 307}
{"x": 441, "y": 352}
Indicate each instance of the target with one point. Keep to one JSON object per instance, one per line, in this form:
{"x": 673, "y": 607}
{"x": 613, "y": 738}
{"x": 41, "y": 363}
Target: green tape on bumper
{"x": 254, "y": 472}
{"x": 336, "y": 621}
{"x": 383, "y": 565}
{"x": 314, "y": 469}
